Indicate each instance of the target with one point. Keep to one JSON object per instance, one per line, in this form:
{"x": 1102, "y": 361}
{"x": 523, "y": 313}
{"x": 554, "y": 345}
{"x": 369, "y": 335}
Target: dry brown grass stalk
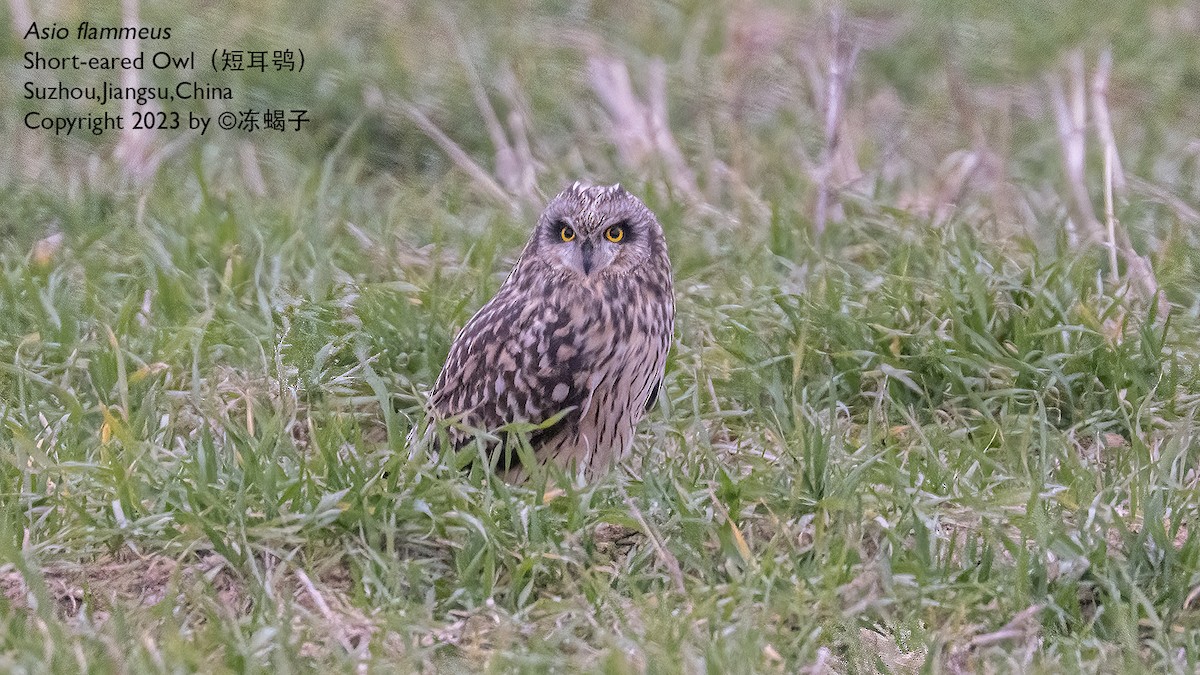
{"x": 665, "y": 556}
{"x": 515, "y": 167}
{"x": 1020, "y": 637}
{"x": 350, "y": 638}
{"x": 640, "y": 128}
{"x": 1104, "y": 128}
{"x": 841, "y": 65}
{"x": 133, "y": 145}
{"x": 251, "y": 171}
{"x": 514, "y": 177}
{"x": 1071, "y": 117}
{"x": 461, "y": 159}
{"x": 1183, "y": 211}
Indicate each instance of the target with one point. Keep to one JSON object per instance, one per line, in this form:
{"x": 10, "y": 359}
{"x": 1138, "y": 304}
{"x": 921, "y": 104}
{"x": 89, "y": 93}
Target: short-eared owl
{"x": 582, "y": 324}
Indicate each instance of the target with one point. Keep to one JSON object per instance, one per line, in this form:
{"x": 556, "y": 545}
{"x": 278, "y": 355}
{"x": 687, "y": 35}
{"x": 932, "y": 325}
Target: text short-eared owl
{"x": 582, "y": 324}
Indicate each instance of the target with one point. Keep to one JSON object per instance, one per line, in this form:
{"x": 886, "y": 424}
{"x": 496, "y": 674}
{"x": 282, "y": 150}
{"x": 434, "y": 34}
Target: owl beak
{"x": 585, "y": 256}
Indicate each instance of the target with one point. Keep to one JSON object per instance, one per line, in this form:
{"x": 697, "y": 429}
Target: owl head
{"x": 595, "y": 231}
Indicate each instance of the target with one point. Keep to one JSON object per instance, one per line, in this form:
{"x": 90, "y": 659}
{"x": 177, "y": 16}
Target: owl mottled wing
{"x": 517, "y": 359}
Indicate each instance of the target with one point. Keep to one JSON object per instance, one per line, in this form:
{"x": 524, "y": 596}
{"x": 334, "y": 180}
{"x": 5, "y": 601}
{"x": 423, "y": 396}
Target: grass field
{"x": 933, "y": 403}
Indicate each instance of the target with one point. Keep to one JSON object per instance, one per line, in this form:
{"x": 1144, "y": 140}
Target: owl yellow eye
{"x": 567, "y": 234}
{"x": 615, "y": 234}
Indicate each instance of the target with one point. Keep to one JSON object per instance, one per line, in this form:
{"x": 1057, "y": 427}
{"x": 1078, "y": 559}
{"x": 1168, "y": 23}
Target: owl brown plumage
{"x": 582, "y": 324}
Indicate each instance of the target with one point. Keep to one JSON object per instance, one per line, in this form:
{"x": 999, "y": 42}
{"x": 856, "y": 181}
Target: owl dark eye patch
{"x": 560, "y": 230}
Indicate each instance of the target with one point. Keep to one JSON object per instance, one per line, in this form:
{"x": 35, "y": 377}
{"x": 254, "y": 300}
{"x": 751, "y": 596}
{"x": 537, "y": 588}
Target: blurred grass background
{"x": 932, "y": 405}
